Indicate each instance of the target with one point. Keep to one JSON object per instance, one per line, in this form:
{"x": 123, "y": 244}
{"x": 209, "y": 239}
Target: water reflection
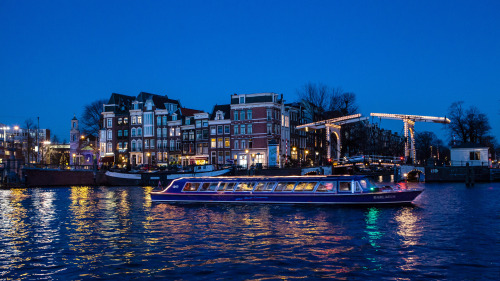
{"x": 410, "y": 230}
{"x": 372, "y": 227}
{"x": 246, "y": 235}
{"x": 108, "y": 233}
{"x": 14, "y": 229}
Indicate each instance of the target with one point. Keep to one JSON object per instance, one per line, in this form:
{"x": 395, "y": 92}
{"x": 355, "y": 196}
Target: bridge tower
{"x": 332, "y": 126}
{"x": 409, "y": 128}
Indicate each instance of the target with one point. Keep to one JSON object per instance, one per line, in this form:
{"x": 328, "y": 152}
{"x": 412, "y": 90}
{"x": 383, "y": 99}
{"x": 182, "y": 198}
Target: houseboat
{"x": 293, "y": 189}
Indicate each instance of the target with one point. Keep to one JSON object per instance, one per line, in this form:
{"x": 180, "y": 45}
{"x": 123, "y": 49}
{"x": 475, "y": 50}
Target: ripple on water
{"x": 111, "y": 233}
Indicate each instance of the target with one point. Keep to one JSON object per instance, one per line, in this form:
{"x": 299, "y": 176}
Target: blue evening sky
{"x": 410, "y": 57}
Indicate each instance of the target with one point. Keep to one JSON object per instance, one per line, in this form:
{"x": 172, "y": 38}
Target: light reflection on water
{"x": 92, "y": 232}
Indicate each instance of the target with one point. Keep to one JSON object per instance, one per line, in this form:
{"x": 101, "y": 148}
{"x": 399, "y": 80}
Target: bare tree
{"x": 428, "y": 145}
{"x": 469, "y": 125}
{"x": 319, "y": 98}
{"x": 91, "y": 119}
{"x": 342, "y": 103}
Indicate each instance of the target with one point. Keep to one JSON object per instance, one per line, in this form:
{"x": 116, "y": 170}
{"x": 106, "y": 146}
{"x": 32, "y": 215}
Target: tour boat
{"x": 292, "y": 189}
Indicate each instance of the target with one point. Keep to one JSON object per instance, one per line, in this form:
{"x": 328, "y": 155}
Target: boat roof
{"x": 274, "y": 178}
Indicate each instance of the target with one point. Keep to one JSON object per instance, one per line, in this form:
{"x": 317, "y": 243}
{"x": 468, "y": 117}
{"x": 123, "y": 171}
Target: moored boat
{"x": 134, "y": 179}
{"x": 294, "y": 189}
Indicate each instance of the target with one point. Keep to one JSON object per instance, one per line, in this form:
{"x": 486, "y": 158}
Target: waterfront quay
{"x": 82, "y": 233}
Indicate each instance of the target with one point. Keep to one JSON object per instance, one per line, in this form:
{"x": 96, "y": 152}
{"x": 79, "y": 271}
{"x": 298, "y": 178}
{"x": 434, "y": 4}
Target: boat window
{"x": 284, "y": 186}
{"x": 345, "y": 186}
{"x": 213, "y": 186}
{"x": 191, "y": 186}
{"x": 269, "y": 186}
{"x": 357, "y": 187}
{"x": 327, "y": 186}
{"x": 222, "y": 186}
{"x": 289, "y": 186}
{"x": 280, "y": 186}
{"x": 244, "y": 186}
{"x": 260, "y": 186}
{"x": 249, "y": 186}
{"x": 204, "y": 186}
{"x": 228, "y": 186}
{"x": 367, "y": 184}
{"x": 305, "y": 186}
{"x": 310, "y": 186}
{"x": 363, "y": 184}
{"x": 300, "y": 186}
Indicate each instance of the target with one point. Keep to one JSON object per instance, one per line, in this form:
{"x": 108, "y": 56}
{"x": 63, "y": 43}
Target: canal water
{"x": 79, "y": 233}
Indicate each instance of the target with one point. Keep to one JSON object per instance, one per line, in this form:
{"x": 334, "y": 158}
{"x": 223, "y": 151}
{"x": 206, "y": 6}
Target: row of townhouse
{"x": 154, "y": 129}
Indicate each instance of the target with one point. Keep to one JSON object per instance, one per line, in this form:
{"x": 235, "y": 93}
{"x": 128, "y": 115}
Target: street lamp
{"x": 149, "y": 165}
{"x": 317, "y": 153}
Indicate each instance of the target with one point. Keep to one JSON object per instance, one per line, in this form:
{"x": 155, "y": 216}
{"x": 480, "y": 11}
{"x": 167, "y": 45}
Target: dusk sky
{"x": 409, "y": 57}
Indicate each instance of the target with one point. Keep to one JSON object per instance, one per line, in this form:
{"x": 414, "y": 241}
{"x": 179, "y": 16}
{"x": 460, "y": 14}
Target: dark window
{"x": 213, "y": 186}
{"x": 475, "y": 155}
{"x": 228, "y": 186}
{"x": 204, "y": 186}
{"x": 344, "y": 186}
{"x": 191, "y": 186}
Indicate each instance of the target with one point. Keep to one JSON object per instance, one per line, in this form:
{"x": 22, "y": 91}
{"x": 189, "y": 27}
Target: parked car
{"x": 356, "y": 159}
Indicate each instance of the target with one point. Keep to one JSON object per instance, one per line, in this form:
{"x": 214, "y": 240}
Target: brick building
{"x": 153, "y": 129}
{"x": 255, "y": 120}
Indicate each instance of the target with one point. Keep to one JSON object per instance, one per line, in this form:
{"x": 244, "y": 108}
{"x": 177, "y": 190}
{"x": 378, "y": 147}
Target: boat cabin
{"x": 331, "y": 185}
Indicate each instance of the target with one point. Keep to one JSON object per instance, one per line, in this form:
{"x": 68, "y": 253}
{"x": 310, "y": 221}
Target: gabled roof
{"x": 120, "y": 99}
{"x": 189, "y": 112}
{"x": 158, "y": 100}
{"x": 225, "y": 108}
